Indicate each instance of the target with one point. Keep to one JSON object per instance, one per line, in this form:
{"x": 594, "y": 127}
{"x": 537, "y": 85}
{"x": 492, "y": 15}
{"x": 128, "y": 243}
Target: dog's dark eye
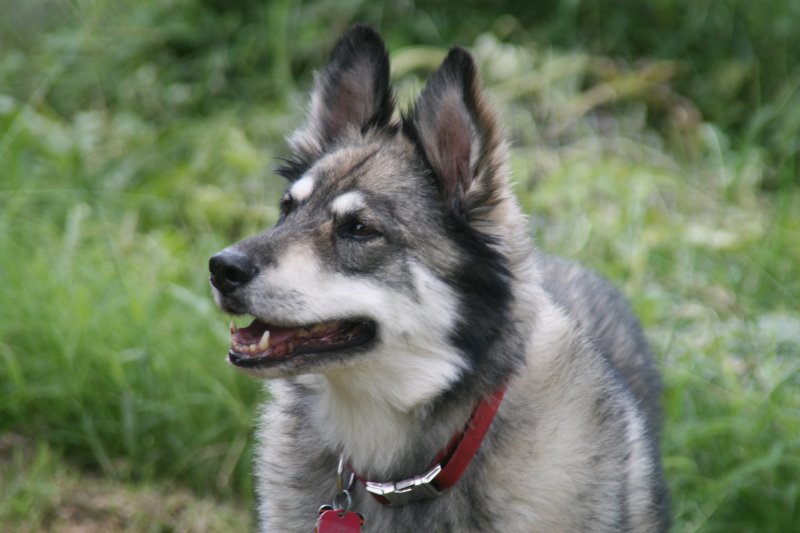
{"x": 287, "y": 204}
{"x": 356, "y": 229}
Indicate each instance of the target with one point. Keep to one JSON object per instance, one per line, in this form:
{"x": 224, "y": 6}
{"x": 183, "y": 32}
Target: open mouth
{"x": 262, "y": 344}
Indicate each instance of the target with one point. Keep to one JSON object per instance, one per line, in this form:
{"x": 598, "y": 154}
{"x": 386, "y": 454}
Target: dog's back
{"x": 604, "y": 315}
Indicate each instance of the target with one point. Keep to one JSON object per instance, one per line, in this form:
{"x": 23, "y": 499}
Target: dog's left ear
{"x": 457, "y": 130}
{"x": 351, "y": 91}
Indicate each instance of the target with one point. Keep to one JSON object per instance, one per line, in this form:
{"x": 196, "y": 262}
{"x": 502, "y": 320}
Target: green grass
{"x": 137, "y": 139}
{"x": 41, "y": 492}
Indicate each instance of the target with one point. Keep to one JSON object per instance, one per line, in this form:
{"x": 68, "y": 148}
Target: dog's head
{"x": 391, "y": 247}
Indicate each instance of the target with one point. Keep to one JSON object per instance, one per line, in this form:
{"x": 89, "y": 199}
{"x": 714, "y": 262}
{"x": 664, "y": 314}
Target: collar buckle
{"x": 409, "y": 490}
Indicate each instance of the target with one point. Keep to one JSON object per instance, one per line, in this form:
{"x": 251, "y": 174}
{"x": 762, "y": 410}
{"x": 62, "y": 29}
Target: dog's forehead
{"x": 370, "y": 167}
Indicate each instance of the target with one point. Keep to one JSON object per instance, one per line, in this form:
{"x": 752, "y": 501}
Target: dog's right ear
{"x": 352, "y": 91}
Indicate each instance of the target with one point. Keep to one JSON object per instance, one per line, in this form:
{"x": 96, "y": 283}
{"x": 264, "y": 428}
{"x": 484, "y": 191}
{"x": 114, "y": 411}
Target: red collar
{"x": 448, "y": 466}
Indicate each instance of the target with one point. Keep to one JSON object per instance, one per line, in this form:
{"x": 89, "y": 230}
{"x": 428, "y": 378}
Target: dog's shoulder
{"x": 605, "y": 318}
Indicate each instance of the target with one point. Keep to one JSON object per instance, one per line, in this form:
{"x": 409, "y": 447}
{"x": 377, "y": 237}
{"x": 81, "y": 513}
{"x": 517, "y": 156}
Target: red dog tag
{"x": 332, "y": 521}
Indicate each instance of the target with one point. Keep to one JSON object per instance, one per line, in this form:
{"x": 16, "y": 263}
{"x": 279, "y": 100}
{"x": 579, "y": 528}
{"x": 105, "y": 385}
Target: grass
{"x": 43, "y": 492}
{"x": 133, "y": 147}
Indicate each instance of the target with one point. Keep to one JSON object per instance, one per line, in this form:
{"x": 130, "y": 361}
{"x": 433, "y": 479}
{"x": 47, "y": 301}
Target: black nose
{"x": 230, "y": 270}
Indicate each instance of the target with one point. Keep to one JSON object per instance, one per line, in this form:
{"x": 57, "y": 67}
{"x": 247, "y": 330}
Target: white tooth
{"x": 263, "y": 344}
{"x": 233, "y": 328}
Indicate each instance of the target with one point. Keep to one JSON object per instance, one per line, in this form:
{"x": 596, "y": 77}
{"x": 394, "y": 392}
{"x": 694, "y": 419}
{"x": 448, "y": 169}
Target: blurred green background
{"x": 655, "y": 140}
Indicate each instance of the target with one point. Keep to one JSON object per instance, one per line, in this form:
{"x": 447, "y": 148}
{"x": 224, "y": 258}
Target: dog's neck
{"x": 379, "y": 417}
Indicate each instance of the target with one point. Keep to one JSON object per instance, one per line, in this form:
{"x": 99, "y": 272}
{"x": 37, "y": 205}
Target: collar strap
{"x": 449, "y": 464}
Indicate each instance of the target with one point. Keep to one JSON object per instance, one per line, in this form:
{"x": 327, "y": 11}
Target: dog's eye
{"x": 287, "y": 203}
{"x": 357, "y": 229}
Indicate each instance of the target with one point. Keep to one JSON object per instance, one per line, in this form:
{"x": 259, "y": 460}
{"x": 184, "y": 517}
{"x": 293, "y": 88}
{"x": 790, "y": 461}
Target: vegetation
{"x": 656, "y": 141}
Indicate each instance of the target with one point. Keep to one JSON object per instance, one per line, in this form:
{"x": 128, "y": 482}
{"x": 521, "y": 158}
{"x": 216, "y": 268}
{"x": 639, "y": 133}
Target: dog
{"x": 429, "y": 369}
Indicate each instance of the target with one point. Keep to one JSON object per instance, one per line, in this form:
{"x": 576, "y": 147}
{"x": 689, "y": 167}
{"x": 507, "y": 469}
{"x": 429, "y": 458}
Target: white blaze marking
{"x": 347, "y": 203}
{"x": 302, "y": 188}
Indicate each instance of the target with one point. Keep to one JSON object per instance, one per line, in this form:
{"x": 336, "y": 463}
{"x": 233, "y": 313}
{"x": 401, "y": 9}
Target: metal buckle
{"x": 409, "y": 490}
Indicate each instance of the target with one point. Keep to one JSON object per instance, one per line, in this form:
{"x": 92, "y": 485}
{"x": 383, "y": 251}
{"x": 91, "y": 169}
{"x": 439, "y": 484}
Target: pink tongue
{"x": 253, "y": 332}
{"x": 278, "y": 335}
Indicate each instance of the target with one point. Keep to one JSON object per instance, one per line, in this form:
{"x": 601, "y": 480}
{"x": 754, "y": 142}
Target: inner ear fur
{"x": 457, "y": 131}
{"x": 352, "y": 90}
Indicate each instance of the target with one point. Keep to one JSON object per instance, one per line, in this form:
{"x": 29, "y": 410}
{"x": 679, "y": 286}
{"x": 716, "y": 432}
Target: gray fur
{"x": 411, "y": 225}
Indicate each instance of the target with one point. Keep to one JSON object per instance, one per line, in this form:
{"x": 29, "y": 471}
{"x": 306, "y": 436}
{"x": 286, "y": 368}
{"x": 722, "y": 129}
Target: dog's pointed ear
{"x": 458, "y": 132}
{"x": 352, "y": 90}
